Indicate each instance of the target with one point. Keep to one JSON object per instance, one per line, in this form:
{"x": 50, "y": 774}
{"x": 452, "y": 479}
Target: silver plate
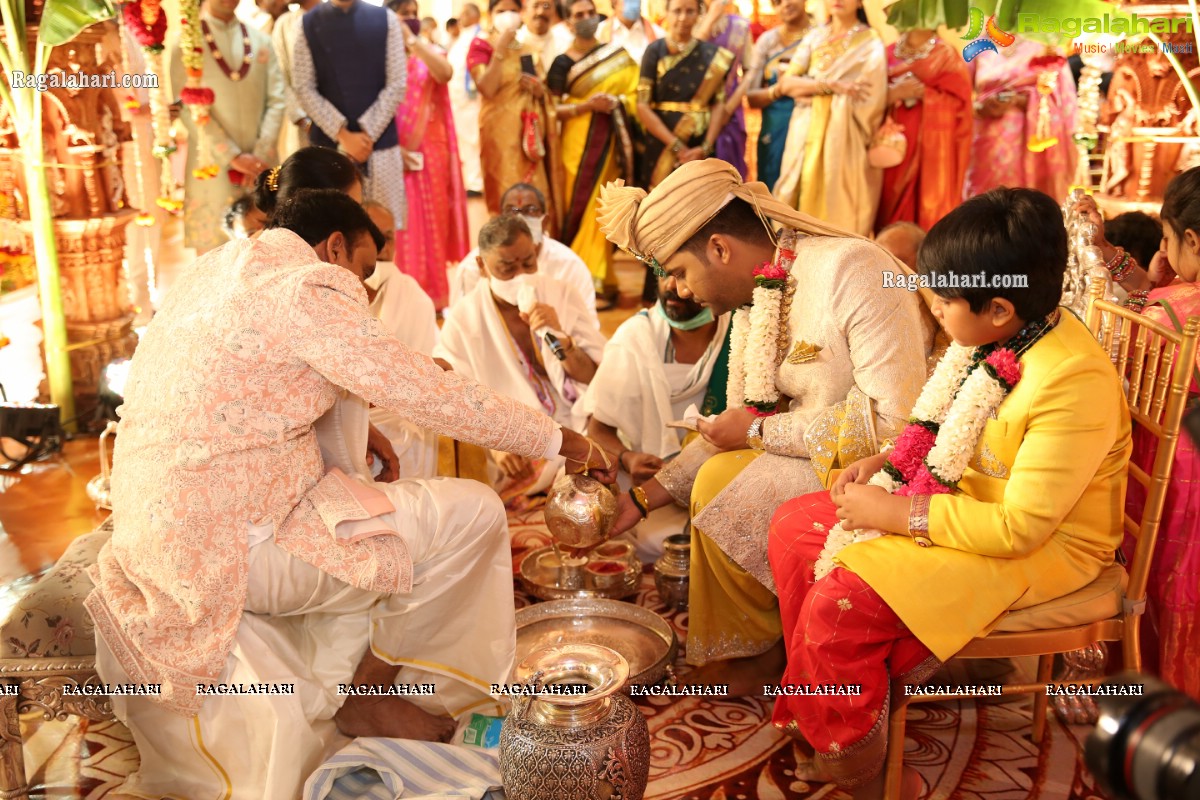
{"x": 644, "y": 638}
{"x": 542, "y": 582}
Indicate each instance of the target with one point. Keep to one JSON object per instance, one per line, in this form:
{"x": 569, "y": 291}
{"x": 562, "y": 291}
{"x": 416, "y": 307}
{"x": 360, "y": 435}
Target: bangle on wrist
{"x": 638, "y": 495}
{"x": 621, "y": 459}
{"x": 676, "y": 145}
{"x": 918, "y": 520}
{"x": 707, "y": 149}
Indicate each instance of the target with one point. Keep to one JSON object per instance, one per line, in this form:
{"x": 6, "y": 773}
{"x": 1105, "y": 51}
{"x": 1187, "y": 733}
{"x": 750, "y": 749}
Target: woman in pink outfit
{"x": 436, "y": 234}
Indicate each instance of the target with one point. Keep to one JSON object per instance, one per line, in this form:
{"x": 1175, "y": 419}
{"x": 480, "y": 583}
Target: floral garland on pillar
{"x": 759, "y": 338}
{"x": 147, "y": 23}
{"x": 935, "y": 448}
{"x": 198, "y": 97}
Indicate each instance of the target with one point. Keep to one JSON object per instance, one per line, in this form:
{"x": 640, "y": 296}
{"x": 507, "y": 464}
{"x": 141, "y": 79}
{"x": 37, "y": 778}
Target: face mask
{"x": 510, "y": 290}
{"x": 701, "y": 319}
{"x": 413, "y": 24}
{"x": 631, "y": 9}
{"x": 506, "y": 21}
{"x": 535, "y": 227}
{"x": 586, "y": 28}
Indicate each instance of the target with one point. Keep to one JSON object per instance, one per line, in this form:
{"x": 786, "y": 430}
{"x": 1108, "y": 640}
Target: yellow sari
{"x": 596, "y": 148}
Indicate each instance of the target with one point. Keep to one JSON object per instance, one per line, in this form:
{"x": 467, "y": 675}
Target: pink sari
{"x": 1173, "y": 635}
{"x": 999, "y": 156}
{"x": 437, "y": 232}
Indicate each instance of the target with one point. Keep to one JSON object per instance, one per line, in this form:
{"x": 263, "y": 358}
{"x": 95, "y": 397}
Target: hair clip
{"x": 273, "y": 180}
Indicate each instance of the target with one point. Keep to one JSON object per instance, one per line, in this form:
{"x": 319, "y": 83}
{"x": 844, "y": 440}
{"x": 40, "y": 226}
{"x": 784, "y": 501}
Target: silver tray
{"x": 643, "y": 637}
{"x": 542, "y": 582}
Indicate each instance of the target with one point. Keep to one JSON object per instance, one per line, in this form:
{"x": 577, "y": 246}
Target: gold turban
{"x": 654, "y": 226}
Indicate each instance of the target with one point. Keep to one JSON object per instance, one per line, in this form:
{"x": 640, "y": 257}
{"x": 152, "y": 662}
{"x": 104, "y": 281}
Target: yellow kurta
{"x": 1039, "y": 511}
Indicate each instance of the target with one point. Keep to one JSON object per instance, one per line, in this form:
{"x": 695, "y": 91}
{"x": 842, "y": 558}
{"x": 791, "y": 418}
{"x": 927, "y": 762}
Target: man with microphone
{"x": 526, "y": 335}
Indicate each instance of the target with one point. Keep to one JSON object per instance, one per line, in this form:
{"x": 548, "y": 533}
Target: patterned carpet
{"x": 702, "y": 748}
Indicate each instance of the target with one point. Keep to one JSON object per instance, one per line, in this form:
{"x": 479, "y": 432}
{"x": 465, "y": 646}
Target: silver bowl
{"x": 580, "y": 511}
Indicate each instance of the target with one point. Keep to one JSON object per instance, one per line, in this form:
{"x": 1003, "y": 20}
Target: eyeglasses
{"x": 525, "y": 211}
{"x": 541, "y": 6}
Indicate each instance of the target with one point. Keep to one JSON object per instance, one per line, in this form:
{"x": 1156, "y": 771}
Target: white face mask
{"x": 535, "y": 228}
{"x": 510, "y": 290}
{"x": 506, "y": 21}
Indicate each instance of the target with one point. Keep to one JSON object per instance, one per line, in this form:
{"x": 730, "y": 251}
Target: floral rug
{"x": 701, "y": 748}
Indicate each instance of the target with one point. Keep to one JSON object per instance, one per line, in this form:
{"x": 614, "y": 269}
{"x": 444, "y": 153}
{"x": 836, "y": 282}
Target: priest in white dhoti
{"x": 526, "y": 336}
{"x": 555, "y": 259}
{"x": 659, "y": 364}
{"x": 253, "y": 571}
{"x": 243, "y": 128}
{"x": 407, "y": 313}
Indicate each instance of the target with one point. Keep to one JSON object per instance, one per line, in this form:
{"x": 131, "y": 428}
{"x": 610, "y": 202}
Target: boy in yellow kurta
{"x": 1005, "y": 491}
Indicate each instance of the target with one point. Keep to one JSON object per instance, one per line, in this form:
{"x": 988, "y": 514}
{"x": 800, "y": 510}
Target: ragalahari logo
{"x": 984, "y": 36}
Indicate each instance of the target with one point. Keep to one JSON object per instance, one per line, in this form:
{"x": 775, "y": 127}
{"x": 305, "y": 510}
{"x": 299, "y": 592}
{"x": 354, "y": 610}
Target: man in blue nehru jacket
{"x": 349, "y": 75}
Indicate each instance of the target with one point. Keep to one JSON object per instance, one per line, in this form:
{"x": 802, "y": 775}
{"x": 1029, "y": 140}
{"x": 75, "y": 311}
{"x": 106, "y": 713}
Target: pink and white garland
{"x": 956, "y": 403}
{"x": 756, "y": 343}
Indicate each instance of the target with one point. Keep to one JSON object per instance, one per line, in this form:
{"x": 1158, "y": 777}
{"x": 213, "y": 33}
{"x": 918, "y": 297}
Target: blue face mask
{"x": 701, "y": 319}
{"x": 631, "y": 9}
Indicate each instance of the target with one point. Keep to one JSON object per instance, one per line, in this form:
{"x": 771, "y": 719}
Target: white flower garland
{"x": 735, "y": 388}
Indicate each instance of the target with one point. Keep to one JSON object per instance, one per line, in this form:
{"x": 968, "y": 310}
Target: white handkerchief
{"x": 691, "y": 418}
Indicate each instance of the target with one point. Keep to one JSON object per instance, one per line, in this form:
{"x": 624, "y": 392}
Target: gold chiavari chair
{"x": 1156, "y": 363}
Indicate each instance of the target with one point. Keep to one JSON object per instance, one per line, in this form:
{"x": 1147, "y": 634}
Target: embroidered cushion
{"x": 50, "y": 621}
{"x": 1100, "y": 599}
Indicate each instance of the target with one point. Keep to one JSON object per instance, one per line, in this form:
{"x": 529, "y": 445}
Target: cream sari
{"x": 825, "y": 171}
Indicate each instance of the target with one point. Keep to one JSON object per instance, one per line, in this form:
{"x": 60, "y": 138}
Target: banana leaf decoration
{"x": 907, "y": 15}
{"x": 63, "y": 20}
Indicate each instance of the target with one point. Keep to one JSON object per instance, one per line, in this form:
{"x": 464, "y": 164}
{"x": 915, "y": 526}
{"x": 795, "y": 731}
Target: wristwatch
{"x": 754, "y": 435}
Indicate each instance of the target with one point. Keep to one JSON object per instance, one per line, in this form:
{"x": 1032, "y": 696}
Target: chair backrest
{"x": 1156, "y": 363}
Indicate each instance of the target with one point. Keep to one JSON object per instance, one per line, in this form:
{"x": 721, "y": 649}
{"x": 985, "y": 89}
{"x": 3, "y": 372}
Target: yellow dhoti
{"x": 730, "y": 614}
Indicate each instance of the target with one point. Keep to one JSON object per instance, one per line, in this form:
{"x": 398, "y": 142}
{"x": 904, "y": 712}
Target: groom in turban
{"x": 825, "y": 364}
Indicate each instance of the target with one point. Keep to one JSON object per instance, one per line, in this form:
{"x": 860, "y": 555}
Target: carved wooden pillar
{"x": 83, "y": 135}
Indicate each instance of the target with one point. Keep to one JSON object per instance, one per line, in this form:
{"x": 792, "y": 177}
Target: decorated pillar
{"x": 83, "y": 133}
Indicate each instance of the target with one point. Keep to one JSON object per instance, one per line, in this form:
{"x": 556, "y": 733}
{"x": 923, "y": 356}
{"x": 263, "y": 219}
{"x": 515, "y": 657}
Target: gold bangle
{"x": 638, "y": 495}
{"x": 918, "y": 520}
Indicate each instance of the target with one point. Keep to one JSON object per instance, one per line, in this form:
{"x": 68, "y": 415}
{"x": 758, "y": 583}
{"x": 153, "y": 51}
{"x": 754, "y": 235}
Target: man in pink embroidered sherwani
{"x": 249, "y": 552}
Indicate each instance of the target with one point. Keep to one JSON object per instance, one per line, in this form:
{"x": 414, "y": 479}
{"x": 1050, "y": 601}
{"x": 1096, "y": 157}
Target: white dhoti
{"x": 455, "y": 630}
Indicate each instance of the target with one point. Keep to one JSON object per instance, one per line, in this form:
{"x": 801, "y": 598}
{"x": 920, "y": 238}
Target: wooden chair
{"x": 1156, "y": 363}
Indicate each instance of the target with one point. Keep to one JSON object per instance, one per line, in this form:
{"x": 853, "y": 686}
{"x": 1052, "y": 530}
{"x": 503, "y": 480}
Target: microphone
{"x": 526, "y": 300}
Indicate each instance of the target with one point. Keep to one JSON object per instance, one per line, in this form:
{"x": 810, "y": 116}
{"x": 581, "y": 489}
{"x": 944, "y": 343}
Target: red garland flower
{"x": 1004, "y": 361}
{"x": 148, "y": 36}
{"x": 1047, "y": 62}
{"x": 913, "y": 444}
{"x": 197, "y": 96}
{"x": 923, "y": 482}
{"x": 769, "y": 275}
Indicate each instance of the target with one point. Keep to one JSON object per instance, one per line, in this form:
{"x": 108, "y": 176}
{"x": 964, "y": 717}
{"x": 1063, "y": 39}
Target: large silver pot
{"x": 580, "y": 511}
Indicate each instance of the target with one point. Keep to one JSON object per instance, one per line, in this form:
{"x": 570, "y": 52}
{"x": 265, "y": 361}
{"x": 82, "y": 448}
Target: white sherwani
{"x": 555, "y": 260}
{"x": 248, "y": 547}
{"x": 478, "y": 345}
{"x": 283, "y": 38}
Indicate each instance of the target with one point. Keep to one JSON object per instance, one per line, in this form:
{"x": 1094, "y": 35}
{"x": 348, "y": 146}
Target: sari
{"x": 1174, "y": 583}
{"x": 437, "y": 232}
{"x": 596, "y": 148}
{"x": 999, "y": 155}
{"x": 825, "y": 171}
{"x": 928, "y": 183}
{"x": 734, "y": 37}
{"x": 681, "y": 88}
{"x": 518, "y": 133}
{"x": 771, "y": 59}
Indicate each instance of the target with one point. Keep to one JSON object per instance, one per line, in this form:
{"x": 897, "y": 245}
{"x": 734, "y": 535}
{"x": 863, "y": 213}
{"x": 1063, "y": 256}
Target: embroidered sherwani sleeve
{"x": 281, "y": 38}
{"x": 304, "y": 83}
{"x": 374, "y": 120}
{"x": 336, "y": 335}
{"x": 680, "y": 472}
{"x": 272, "y": 118}
{"x": 1073, "y": 421}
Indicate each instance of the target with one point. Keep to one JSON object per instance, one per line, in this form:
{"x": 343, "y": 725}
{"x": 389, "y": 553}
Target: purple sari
{"x": 731, "y": 144}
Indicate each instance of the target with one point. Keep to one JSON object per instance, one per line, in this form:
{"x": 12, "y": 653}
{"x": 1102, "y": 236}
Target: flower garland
{"x": 147, "y": 24}
{"x": 195, "y": 94}
{"x": 935, "y": 448}
{"x": 759, "y": 337}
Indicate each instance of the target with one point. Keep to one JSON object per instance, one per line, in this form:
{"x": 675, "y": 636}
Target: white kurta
{"x": 635, "y": 39}
{"x": 555, "y": 260}
{"x": 478, "y": 345}
{"x": 408, "y": 314}
{"x": 464, "y": 105}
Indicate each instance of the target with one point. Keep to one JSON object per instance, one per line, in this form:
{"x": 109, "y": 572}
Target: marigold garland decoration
{"x": 195, "y": 95}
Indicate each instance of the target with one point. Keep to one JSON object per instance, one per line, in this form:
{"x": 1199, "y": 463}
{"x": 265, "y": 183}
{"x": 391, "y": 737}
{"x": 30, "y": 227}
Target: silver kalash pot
{"x": 568, "y": 744}
{"x": 672, "y": 569}
{"x": 580, "y": 511}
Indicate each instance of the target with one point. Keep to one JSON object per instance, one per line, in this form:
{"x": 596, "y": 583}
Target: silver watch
{"x": 754, "y": 434}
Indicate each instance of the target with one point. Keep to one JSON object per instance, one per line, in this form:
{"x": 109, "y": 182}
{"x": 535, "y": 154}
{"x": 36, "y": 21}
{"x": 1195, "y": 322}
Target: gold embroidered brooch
{"x": 990, "y": 464}
{"x": 803, "y": 353}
